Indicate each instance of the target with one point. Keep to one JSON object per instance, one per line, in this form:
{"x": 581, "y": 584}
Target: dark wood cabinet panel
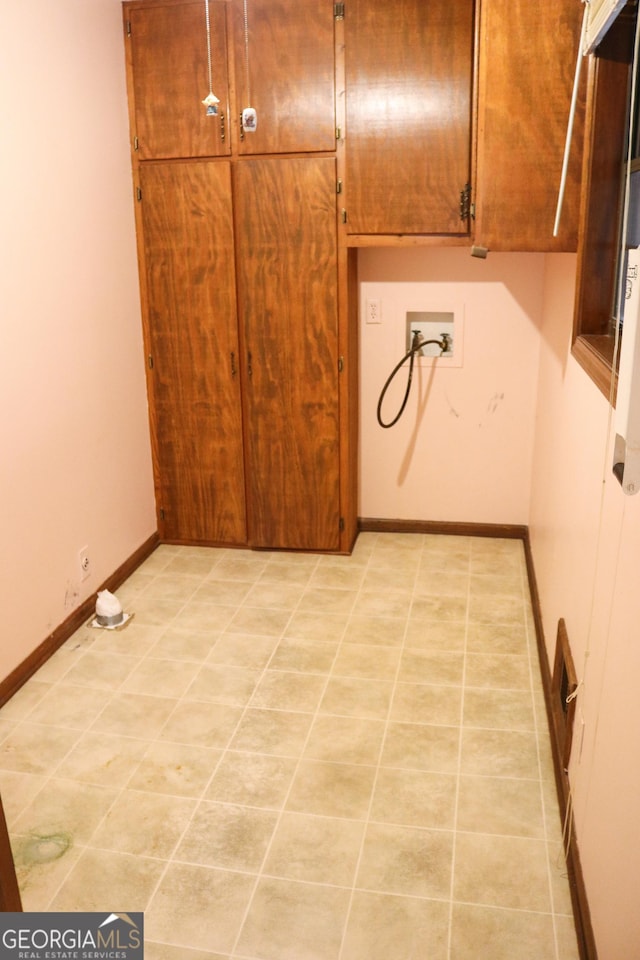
{"x": 288, "y": 309}
{"x": 409, "y": 77}
{"x": 169, "y": 79}
{"x": 527, "y": 57}
{"x": 192, "y": 332}
{"x": 288, "y": 75}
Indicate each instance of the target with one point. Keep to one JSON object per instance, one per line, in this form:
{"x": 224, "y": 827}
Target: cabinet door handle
{"x": 249, "y": 365}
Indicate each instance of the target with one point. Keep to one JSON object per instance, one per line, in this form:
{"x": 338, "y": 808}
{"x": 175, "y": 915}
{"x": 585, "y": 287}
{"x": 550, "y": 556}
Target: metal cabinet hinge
{"x": 343, "y": 215}
{"x": 128, "y": 28}
{"x": 472, "y": 211}
{"x": 465, "y": 202}
{"x": 138, "y": 194}
{"x": 338, "y": 11}
{"x": 223, "y": 131}
{"x": 136, "y": 143}
{"x": 150, "y": 362}
{"x": 340, "y": 364}
{"x": 338, "y": 133}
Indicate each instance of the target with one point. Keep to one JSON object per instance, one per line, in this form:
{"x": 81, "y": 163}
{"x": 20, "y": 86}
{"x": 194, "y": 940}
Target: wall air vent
{"x": 564, "y": 684}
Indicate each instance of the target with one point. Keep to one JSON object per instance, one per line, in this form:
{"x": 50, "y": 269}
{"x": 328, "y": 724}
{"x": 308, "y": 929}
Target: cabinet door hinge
{"x": 343, "y": 215}
{"x": 472, "y": 211}
{"x": 465, "y": 202}
{"x": 136, "y": 143}
{"x": 138, "y": 194}
{"x": 339, "y": 186}
{"x": 341, "y": 524}
{"x": 128, "y": 28}
{"x": 338, "y": 133}
{"x": 150, "y": 362}
{"x": 223, "y": 131}
{"x": 340, "y": 364}
{"x": 338, "y": 11}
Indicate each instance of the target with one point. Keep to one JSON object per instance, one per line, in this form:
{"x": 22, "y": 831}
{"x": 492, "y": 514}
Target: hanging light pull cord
{"x": 246, "y": 50}
{"x": 210, "y": 101}
{"x": 416, "y": 346}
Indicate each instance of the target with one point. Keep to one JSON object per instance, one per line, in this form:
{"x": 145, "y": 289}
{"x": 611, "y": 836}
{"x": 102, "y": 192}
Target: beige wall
{"x": 74, "y": 443}
{"x": 462, "y": 449}
{"x": 586, "y": 546}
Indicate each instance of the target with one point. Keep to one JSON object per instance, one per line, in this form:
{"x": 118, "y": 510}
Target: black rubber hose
{"x": 410, "y": 356}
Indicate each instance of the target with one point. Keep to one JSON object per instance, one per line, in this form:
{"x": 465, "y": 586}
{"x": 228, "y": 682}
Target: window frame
{"x": 605, "y": 146}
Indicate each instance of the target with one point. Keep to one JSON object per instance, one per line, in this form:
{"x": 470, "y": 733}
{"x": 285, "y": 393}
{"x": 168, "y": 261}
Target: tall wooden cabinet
{"x": 288, "y": 306}
{"x": 249, "y": 325}
{"x": 194, "y": 350}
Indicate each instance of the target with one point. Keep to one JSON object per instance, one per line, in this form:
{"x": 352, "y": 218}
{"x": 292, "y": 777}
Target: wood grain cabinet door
{"x": 285, "y": 70}
{"x": 167, "y": 47}
{"x": 287, "y": 294}
{"x": 193, "y": 337}
{"x": 409, "y": 76}
{"x": 527, "y": 65}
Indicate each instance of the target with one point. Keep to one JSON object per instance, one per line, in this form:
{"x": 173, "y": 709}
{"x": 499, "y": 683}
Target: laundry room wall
{"x": 76, "y": 463}
{"x": 462, "y": 450}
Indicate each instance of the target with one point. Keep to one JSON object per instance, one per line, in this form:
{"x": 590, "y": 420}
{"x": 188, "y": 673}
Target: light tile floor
{"x": 297, "y": 757}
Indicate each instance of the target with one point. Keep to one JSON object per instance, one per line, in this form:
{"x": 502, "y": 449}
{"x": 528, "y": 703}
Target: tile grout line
{"x": 459, "y": 766}
{"x": 281, "y": 812}
{"x": 387, "y": 721}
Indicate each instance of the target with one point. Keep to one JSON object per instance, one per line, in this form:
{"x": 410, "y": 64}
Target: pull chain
{"x": 246, "y": 50}
{"x": 249, "y": 116}
{"x": 210, "y": 101}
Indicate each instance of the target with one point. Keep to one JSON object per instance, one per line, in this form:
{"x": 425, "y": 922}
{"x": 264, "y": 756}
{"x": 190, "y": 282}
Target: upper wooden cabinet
{"x": 527, "y": 59}
{"x": 409, "y": 80}
{"x": 169, "y": 75}
{"x": 285, "y": 69}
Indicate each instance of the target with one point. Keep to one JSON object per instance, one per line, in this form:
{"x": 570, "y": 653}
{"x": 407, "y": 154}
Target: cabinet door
{"x": 527, "y": 63}
{"x": 287, "y": 286}
{"x": 195, "y": 386}
{"x": 169, "y": 68}
{"x": 287, "y": 73}
{"x": 409, "y": 66}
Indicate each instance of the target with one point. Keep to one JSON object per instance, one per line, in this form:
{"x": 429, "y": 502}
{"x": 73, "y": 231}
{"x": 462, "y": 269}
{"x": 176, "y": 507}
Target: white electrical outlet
{"x": 374, "y": 311}
{"x": 85, "y": 563}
